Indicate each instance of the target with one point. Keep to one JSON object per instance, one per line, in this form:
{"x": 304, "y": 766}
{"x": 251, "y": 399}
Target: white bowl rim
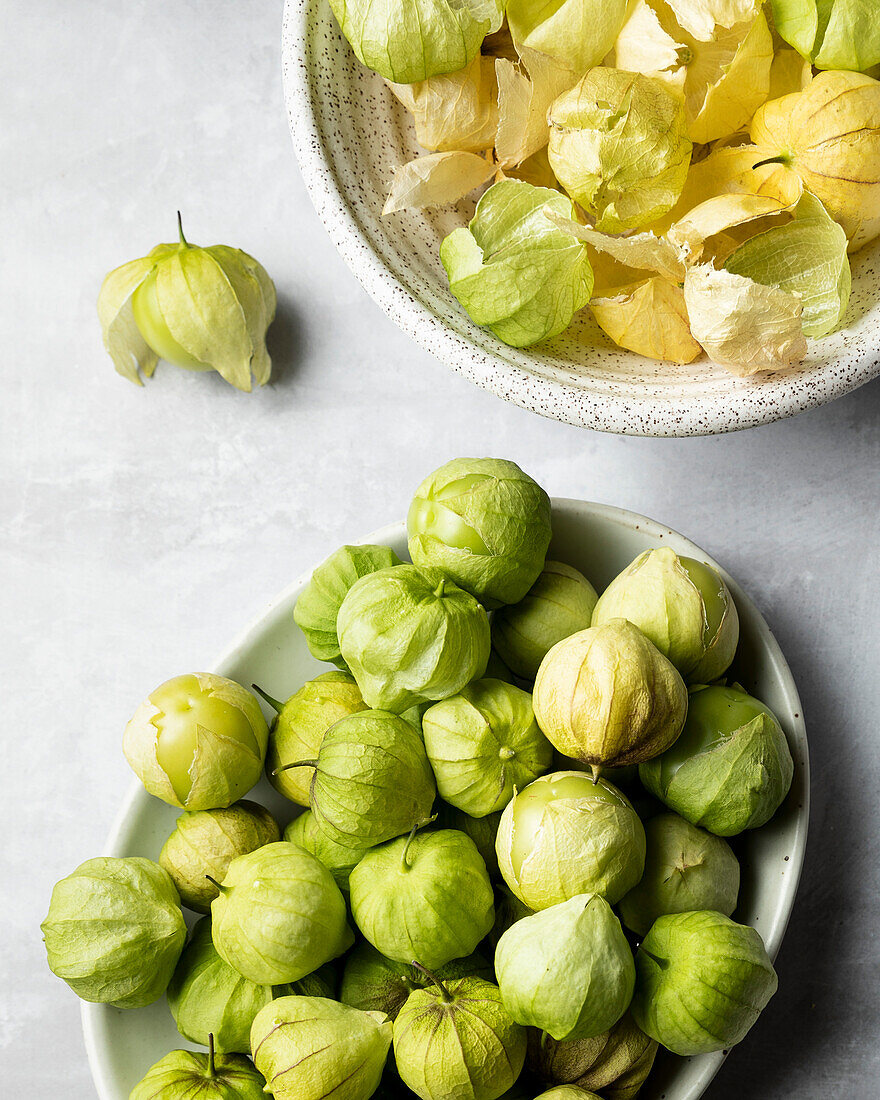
{"x": 136, "y": 793}
{"x": 773, "y": 398}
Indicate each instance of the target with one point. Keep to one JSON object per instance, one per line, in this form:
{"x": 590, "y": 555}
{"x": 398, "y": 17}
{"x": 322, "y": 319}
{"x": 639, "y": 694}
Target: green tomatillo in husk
{"x": 619, "y": 146}
{"x": 481, "y": 830}
{"x": 114, "y": 931}
{"x": 279, "y": 915}
{"x": 482, "y": 744}
{"x": 317, "y": 606}
{"x": 558, "y": 604}
{"x": 682, "y": 605}
{"x": 686, "y": 869}
{"x": 617, "y": 1061}
{"x": 204, "y": 842}
{"x": 731, "y": 768}
{"x": 409, "y": 636}
{"x": 484, "y": 523}
{"x": 457, "y": 1039}
{"x": 339, "y": 859}
{"x": 208, "y": 997}
{"x": 299, "y": 728}
{"x": 426, "y": 896}
{"x": 197, "y": 741}
{"x": 188, "y": 1075}
{"x": 371, "y": 781}
{"x": 567, "y": 970}
{"x": 310, "y": 1048}
{"x": 565, "y": 835}
{"x": 607, "y": 696}
{"x": 198, "y": 308}
{"x": 374, "y": 983}
{"x": 702, "y": 981}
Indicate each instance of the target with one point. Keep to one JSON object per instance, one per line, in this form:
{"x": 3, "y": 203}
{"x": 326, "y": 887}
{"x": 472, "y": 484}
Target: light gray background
{"x": 141, "y": 528}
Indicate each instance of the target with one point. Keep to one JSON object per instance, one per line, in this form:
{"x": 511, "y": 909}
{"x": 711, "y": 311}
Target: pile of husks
{"x": 466, "y": 880}
{"x": 695, "y": 170}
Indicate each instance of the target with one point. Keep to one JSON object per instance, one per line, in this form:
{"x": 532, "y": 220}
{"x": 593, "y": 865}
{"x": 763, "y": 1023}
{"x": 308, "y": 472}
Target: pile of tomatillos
{"x": 468, "y": 906}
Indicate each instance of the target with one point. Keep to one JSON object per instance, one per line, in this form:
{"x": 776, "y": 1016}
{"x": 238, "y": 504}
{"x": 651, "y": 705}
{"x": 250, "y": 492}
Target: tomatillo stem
{"x": 272, "y": 702}
{"x": 412, "y": 833}
{"x": 212, "y": 1071}
{"x": 214, "y": 882}
{"x": 445, "y": 995}
{"x": 184, "y": 243}
{"x": 780, "y": 159}
{"x": 298, "y": 764}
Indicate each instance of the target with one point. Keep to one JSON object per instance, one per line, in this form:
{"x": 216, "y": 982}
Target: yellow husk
{"x": 830, "y": 135}
{"x": 456, "y": 112}
{"x": 525, "y": 92}
{"x": 436, "y": 179}
{"x": 742, "y": 325}
{"x": 723, "y": 79}
{"x": 642, "y": 251}
{"x": 649, "y": 318}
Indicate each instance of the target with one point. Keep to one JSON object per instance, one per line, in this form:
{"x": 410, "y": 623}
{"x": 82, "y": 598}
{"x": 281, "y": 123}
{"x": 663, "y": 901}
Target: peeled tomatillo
{"x": 198, "y": 741}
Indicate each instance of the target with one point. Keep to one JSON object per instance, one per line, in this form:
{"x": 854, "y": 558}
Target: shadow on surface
{"x": 284, "y": 341}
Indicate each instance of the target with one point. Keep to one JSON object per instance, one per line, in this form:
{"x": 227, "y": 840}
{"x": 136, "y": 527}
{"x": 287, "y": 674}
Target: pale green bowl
{"x": 599, "y": 540}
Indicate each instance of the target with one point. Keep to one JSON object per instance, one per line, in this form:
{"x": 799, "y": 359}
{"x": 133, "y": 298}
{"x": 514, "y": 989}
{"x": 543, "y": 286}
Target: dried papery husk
{"x": 619, "y": 146}
{"x": 643, "y": 251}
{"x": 732, "y": 170}
{"x": 579, "y": 33}
{"x": 829, "y": 134}
{"x": 742, "y": 325}
{"x": 723, "y": 79}
{"x": 808, "y": 258}
{"x": 718, "y": 215}
{"x": 525, "y": 92}
{"x": 437, "y": 179}
{"x": 789, "y": 73}
{"x": 701, "y": 18}
{"x": 455, "y": 112}
{"x": 649, "y": 318}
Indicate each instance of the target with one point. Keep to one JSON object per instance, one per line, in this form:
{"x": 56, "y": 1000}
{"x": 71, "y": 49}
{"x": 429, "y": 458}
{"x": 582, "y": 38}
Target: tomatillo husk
{"x": 374, "y": 983}
{"x": 702, "y": 981}
{"x": 310, "y": 1048}
{"x": 731, "y": 768}
{"x": 686, "y": 869}
{"x": 608, "y": 697}
{"x": 300, "y": 725}
{"x": 279, "y": 915}
{"x": 114, "y": 931}
{"x": 565, "y": 835}
{"x": 484, "y": 523}
{"x": 197, "y": 741}
{"x": 483, "y": 743}
{"x": 567, "y": 970}
{"x": 457, "y": 1039}
{"x": 204, "y": 842}
{"x": 426, "y": 896}
{"x": 682, "y": 605}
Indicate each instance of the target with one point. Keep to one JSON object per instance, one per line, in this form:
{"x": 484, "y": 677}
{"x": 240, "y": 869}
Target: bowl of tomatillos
{"x": 649, "y": 217}
{"x": 533, "y": 829}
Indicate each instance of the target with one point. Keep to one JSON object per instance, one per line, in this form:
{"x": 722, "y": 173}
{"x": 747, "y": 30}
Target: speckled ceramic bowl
{"x": 600, "y": 541}
{"x": 349, "y": 131}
